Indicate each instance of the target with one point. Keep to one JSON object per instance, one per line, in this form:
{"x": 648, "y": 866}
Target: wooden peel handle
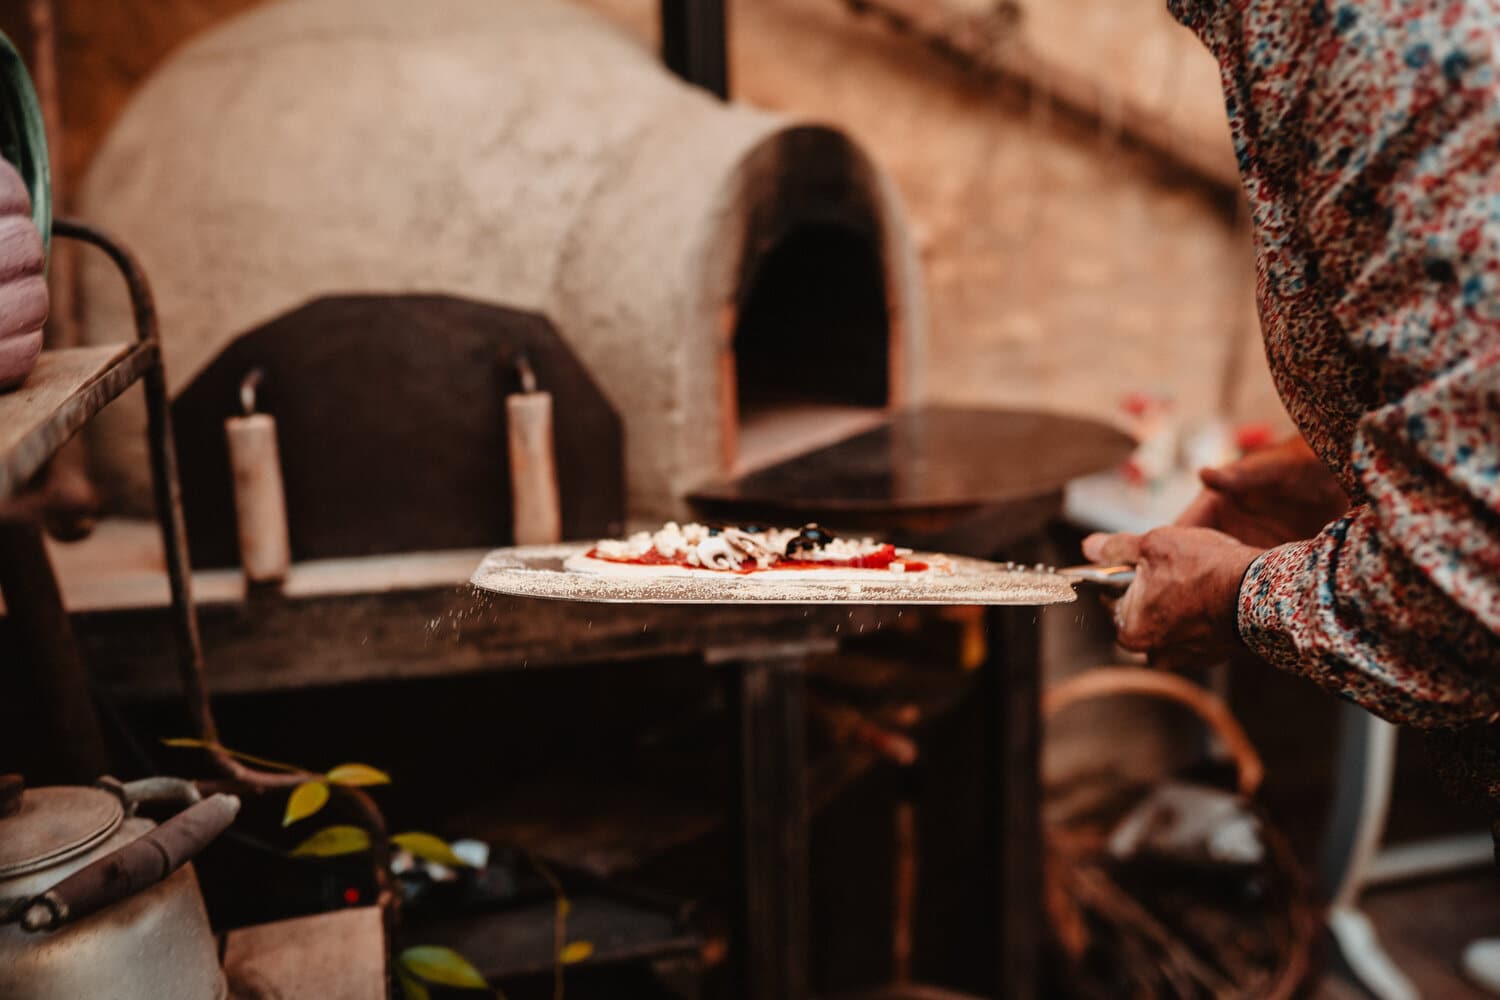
{"x": 259, "y": 497}
{"x": 536, "y": 510}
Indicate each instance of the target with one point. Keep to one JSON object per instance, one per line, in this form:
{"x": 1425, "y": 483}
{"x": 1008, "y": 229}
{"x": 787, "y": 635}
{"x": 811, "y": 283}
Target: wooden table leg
{"x": 54, "y": 731}
{"x": 1010, "y": 683}
{"x": 767, "y": 698}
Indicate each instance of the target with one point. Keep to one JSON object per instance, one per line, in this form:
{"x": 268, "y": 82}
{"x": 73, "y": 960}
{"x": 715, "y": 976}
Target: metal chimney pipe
{"x": 693, "y": 43}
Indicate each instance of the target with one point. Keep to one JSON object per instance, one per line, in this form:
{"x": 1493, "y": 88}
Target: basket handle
{"x": 1105, "y": 682}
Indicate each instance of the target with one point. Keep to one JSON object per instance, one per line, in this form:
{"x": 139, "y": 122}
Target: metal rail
{"x": 164, "y": 479}
{"x": 168, "y": 496}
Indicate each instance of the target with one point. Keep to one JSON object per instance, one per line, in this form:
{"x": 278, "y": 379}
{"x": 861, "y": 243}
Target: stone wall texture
{"x": 521, "y": 153}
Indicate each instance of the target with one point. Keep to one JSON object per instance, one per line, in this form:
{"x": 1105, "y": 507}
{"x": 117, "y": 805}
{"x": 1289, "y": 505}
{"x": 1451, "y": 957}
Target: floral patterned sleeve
{"x": 1396, "y": 605}
{"x": 1368, "y": 136}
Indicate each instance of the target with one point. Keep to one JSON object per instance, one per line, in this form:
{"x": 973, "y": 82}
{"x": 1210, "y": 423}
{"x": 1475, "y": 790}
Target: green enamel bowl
{"x": 23, "y": 141}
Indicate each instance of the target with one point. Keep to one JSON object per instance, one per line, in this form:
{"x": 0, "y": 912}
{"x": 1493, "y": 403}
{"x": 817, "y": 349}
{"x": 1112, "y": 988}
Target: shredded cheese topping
{"x": 734, "y": 548}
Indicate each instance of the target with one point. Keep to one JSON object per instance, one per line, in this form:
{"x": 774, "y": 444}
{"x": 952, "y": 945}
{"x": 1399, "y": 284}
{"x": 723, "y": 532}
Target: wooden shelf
{"x": 65, "y": 390}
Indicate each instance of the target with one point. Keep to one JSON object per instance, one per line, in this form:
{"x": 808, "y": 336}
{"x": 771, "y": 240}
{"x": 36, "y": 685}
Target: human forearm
{"x": 1351, "y": 612}
{"x": 1273, "y": 495}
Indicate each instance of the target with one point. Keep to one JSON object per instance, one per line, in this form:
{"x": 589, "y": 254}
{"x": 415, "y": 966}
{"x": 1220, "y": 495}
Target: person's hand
{"x": 1275, "y": 495}
{"x": 1182, "y": 606}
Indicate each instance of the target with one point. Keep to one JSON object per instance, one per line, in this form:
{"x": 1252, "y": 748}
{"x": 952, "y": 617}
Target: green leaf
{"x": 356, "y": 775}
{"x": 331, "y": 841}
{"x": 428, "y": 848}
{"x": 187, "y": 741}
{"x": 411, "y": 986}
{"x": 306, "y": 799}
{"x": 443, "y": 966}
{"x": 575, "y": 951}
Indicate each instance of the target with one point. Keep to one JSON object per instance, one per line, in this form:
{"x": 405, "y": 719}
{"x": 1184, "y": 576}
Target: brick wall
{"x": 1063, "y": 267}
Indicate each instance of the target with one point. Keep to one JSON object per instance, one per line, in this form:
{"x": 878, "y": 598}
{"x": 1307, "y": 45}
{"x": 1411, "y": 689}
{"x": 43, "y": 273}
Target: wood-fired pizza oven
{"x": 740, "y": 286}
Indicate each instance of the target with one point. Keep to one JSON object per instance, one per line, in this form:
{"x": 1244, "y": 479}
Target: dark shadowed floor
{"x": 1425, "y": 926}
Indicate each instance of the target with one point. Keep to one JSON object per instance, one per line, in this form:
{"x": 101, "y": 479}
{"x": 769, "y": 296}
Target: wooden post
{"x": 768, "y": 703}
{"x": 1010, "y": 686}
{"x": 72, "y": 502}
{"x": 51, "y": 726}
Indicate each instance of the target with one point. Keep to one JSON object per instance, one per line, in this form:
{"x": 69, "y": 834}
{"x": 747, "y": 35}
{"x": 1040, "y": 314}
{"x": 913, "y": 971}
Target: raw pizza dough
{"x": 541, "y": 571}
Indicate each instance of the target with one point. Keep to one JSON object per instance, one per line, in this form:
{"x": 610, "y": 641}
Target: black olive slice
{"x": 809, "y": 538}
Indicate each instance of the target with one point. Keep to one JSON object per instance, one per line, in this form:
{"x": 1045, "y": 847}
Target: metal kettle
{"x": 96, "y": 901}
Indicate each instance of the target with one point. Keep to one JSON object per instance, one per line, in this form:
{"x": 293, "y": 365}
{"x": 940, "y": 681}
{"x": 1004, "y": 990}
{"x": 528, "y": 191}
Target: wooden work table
{"x": 374, "y": 618}
{"x": 981, "y": 481}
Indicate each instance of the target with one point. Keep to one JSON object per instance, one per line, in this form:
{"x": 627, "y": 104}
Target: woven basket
{"x": 1147, "y": 928}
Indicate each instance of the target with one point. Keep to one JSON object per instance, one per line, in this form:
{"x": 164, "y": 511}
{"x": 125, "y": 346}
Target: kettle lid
{"x": 40, "y": 827}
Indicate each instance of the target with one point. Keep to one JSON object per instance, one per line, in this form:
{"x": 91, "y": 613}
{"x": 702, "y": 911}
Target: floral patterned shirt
{"x": 1368, "y": 137}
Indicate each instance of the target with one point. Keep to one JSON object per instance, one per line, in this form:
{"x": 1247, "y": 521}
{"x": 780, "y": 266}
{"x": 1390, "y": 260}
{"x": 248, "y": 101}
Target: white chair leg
{"x": 1371, "y": 967}
{"x": 1365, "y": 772}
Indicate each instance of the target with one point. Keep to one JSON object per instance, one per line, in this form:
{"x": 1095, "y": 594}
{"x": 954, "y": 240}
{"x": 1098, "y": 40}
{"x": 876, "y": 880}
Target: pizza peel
{"x": 537, "y": 571}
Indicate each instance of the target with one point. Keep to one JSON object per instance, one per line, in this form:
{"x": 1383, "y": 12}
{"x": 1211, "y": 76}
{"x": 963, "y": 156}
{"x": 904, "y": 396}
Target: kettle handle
{"x": 138, "y": 865}
{"x": 133, "y": 793}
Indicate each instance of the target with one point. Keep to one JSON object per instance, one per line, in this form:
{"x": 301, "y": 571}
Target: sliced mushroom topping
{"x": 715, "y": 552}
{"x": 749, "y": 545}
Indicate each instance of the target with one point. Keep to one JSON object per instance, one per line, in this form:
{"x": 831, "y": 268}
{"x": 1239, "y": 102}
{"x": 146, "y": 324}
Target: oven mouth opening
{"x": 811, "y": 342}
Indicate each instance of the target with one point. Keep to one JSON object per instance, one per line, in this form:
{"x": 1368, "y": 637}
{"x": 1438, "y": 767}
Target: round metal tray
{"x": 537, "y": 571}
